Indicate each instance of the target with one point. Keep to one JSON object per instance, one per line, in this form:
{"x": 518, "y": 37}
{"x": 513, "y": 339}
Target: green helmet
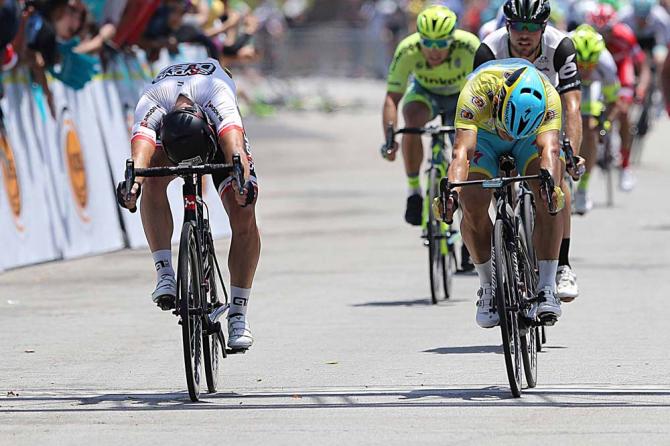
{"x": 588, "y": 44}
{"x": 436, "y": 22}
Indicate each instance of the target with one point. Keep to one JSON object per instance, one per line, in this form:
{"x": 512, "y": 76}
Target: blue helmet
{"x": 642, "y": 8}
{"x": 522, "y": 103}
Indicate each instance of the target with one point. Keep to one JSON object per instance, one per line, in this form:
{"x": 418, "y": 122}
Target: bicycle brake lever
{"x": 130, "y": 180}
{"x": 238, "y": 172}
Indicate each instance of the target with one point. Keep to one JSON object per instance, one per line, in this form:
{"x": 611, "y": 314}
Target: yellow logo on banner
{"x": 11, "y": 180}
{"x": 76, "y": 168}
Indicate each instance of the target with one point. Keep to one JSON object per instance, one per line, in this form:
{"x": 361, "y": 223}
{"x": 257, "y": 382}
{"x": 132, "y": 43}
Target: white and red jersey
{"x": 206, "y": 83}
{"x": 623, "y": 45}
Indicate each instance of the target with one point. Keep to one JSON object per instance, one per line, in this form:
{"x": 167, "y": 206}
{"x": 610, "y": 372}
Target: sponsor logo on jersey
{"x": 550, "y": 115}
{"x": 186, "y": 69}
{"x": 11, "y": 180}
{"x": 214, "y": 110}
{"x": 479, "y": 102}
{"x": 467, "y": 114}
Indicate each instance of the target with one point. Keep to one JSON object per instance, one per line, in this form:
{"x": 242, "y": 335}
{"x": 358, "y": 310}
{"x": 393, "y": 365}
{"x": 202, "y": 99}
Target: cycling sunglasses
{"x": 525, "y": 26}
{"x": 440, "y": 43}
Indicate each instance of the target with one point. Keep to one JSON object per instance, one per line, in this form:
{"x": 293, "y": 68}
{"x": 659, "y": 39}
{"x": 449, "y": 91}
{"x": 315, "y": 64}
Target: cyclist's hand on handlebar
{"x": 446, "y": 213}
{"x": 557, "y": 202}
{"x": 389, "y": 152}
{"x": 127, "y": 199}
{"x": 578, "y": 167}
{"x": 248, "y": 195}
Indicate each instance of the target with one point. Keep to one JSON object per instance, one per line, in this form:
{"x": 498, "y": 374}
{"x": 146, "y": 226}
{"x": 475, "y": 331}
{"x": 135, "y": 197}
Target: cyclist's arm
{"x": 148, "y": 115}
{"x": 549, "y": 148}
{"x": 390, "y": 110}
{"x": 231, "y": 140}
{"x": 572, "y": 101}
{"x": 464, "y": 150}
{"x": 569, "y": 87}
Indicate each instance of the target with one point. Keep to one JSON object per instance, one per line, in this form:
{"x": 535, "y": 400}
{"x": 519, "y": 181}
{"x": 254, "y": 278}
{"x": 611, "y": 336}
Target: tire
{"x": 528, "y": 328}
{"x": 505, "y": 299}
{"x": 190, "y": 308}
{"x": 438, "y": 264}
{"x": 528, "y": 225}
{"x": 211, "y": 344}
{"x": 609, "y": 174}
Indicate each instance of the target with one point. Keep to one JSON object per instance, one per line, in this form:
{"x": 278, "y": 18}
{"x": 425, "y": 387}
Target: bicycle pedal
{"x": 548, "y": 320}
{"x": 236, "y": 351}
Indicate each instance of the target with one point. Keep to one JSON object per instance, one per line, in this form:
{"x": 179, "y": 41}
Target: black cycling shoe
{"x": 414, "y": 208}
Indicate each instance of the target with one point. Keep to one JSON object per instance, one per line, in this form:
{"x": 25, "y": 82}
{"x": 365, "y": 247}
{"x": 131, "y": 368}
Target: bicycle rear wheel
{"x": 504, "y": 284}
{"x": 190, "y": 308}
{"x": 439, "y": 264}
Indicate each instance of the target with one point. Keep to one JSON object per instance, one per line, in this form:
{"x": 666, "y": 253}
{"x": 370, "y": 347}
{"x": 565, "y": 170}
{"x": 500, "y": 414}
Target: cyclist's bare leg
{"x": 155, "y": 207}
{"x": 416, "y": 114}
{"x": 476, "y": 225}
{"x": 589, "y": 142}
{"x": 245, "y": 244}
{"x": 566, "y": 213}
{"x": 626, "y": 135}
{"x": 548, "y": 229}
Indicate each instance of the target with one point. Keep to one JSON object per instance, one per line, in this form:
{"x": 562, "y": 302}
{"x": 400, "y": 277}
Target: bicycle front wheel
{"x": 190, "y": 308}
{"x": 439, "y": 264}
{"x": 212, "y": 347}
{"x": 504, "y": 283}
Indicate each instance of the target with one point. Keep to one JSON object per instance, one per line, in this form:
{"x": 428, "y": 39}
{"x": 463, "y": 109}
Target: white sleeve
{"x": 148, "y": 116}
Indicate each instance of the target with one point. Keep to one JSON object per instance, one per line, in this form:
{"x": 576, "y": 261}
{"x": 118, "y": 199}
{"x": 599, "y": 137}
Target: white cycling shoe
{"x": 626, "y": 180}
{"x": 239, "y": 334}
{"x": 566, "y": 284}
{"x": 165, "y": 293}
{"x": 487, "y": 316}
{"x": 549, "y": 306}
{"x": 583, "y": 203}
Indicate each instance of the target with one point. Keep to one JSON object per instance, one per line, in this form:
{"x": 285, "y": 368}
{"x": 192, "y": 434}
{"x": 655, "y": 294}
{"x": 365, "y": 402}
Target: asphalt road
{"x": 348, "y": 348}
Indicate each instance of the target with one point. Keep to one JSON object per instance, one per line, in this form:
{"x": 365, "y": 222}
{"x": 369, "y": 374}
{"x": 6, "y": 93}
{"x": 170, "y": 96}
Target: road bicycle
{"x": 202, "y": 299}
{"x": 439, "y": 237}
{"x": 514, "y": 274}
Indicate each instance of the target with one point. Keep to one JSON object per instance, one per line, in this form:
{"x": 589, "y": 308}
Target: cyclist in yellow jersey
{"x": 439, "y": 58}
{"x": 508, "y": 106}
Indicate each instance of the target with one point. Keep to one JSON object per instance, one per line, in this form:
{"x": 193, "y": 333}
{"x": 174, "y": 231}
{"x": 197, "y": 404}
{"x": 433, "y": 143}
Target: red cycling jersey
{"x": 623, "y": 45}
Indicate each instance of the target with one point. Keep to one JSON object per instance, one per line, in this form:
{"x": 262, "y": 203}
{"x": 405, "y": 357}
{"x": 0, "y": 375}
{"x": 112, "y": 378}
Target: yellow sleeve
{"x": 553, "y": 117}
{"x": 467, "y": 116}
{"x": 401, "y": 66}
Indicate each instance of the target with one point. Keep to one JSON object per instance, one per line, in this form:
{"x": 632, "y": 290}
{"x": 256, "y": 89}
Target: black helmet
{"x": 187, "y": 135}
{"x": 531, "y": 11}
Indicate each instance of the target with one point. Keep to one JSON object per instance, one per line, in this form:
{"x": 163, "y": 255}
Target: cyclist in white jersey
{"x": 183, "y": 97}
{"x": 527, "y": 35}
{"x": 651, "y": 24}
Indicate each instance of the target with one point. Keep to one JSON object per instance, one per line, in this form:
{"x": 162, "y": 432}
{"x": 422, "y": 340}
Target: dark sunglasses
{"x": 441, "y": 43}
{"x": 524, "y": 26}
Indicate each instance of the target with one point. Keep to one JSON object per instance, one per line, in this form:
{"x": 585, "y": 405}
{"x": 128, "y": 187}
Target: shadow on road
{"x": 466, "y": 349}
{"x": 490, "y": 396}
{"x": 409, "y": 303}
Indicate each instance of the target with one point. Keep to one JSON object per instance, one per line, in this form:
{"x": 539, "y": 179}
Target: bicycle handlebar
{"x": 181, "y": 170}
{"x": 430, "y": 130}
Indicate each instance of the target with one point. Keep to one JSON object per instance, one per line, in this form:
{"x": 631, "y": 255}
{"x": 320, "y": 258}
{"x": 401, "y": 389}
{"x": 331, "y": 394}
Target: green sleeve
{"x": 400, "y": 69}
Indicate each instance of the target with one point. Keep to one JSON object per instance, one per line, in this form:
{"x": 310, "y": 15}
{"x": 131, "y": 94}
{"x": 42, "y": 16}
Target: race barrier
{"x": 58, "y": 175}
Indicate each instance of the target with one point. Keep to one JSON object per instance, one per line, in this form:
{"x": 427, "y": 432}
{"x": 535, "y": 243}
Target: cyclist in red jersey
{"x": 629, "y": 58}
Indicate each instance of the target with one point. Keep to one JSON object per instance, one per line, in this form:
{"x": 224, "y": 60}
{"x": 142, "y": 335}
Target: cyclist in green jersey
{"x": 439, "y": 58}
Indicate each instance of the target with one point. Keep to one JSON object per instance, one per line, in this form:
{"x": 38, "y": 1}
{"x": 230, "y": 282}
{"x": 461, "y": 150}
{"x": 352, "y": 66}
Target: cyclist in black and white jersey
{"x": 189, "y": 111}
{"x": 528, "y": 36}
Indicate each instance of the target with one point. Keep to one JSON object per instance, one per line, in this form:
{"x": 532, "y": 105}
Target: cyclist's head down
{"x": 187, "y": 135}
{"x": 521, "y": 103}
{"x": 588, "y": 46}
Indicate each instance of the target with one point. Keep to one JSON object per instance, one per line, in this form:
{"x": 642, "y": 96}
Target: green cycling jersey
{"x": 446, "y": 79}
